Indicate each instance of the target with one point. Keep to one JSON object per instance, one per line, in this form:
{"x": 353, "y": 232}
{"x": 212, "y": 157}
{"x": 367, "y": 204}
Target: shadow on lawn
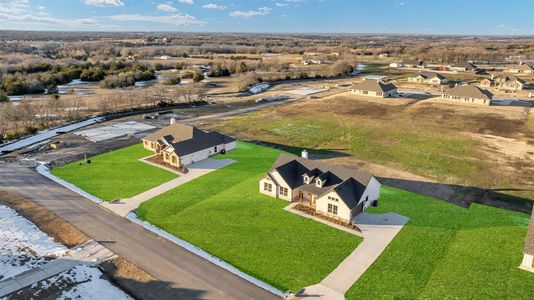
{"x": 313, "y": 153}
{"x": 463, "y": 195}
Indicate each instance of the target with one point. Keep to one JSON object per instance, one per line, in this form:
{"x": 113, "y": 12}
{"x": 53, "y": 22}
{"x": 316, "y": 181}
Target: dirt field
{"x": 481, "y": 147}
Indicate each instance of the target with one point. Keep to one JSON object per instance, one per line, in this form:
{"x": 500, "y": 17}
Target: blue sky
{"x": 486, "y": 17}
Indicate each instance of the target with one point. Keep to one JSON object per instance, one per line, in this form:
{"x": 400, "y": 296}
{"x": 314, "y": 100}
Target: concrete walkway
{"x": 125, "y": 206}
{"x": 90, "y": 253}
{"x": 378, "y": 231}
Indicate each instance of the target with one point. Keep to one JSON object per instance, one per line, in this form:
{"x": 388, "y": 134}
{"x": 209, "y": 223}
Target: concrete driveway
{"x": 125, "y": 206}
{"x": 378, "y": 231}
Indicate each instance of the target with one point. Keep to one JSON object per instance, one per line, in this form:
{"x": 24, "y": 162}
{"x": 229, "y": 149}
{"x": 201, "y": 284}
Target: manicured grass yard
{"x": 224, "y": 214}
{"x": 448, "y": 252}
{"x": 115, "y": 175}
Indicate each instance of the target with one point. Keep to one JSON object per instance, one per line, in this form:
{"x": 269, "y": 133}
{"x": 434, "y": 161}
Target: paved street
{"x": 190, "y": 275}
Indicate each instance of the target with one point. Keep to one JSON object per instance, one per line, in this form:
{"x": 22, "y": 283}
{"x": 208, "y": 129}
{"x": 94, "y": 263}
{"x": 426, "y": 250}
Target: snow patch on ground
{"x": 23, "y": 247}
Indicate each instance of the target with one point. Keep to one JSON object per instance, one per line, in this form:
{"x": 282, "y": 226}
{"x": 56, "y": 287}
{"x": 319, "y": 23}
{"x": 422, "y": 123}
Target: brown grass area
{"x": 48, "y": 222}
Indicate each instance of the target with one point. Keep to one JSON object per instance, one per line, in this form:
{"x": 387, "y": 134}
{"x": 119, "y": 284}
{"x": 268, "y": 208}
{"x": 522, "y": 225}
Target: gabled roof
{"x": 186, "y": 139}
{"x": 429, "y": 75}
{"x": 200, "y": 140}
{"x": 505, "y": 78}
{"x": 529, "y": 241}
{"x": 466, "y": 65}
{"x": 348, "y": 184}
{"x": 350, "y": 191}
{"x": 178, "y": 132}
{"x": 412, "y": 62}
{"x": 374, "y": 86}
{"x": 470, "y": 91}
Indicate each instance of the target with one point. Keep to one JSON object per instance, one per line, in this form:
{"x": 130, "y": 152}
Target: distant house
{"x": 463, "y": 67}
{"x": 528, "y": 251}
{"x": 396, "y": 65}
{"x": 335, "y": 192}
{"x": 181, "y": 145}
{"x": 374, "y": 88}
{"x": 505, "y": 82}
{"x": 520, "y": 69}
{"x": 414, "y": 64}
{"x": 427, "y": 77}
{"x": 468, "y": 94}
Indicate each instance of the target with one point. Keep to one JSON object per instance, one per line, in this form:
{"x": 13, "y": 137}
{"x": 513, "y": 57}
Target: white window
{"x": 318, "y": 183}
{"x": 332, "y": 209}
{"x": 284, "y": 191}
{"x": 267, "y": 187}
{"x": 306, "y": 179}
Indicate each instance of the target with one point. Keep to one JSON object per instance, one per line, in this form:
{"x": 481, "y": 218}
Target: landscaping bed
{"x": 115, "y": 175}
{"x": 312, "y": 212}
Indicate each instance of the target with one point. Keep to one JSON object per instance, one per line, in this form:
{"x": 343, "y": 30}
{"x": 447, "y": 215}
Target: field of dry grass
{"x": 489, "y": 147}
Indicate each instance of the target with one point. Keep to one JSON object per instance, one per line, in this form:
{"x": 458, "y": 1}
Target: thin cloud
{"x": 262, "y": 11}
{"x": 281, "y": 4}
{"x": 214, "y": 6}
{"x": 190, "y": 2}
{"x": 167, "y": 8}
{"x": 178, "y": 19}
{"x": 103, "y": 3}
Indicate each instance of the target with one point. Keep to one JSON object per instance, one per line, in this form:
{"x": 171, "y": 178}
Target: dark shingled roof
{"x": 466, "y": 65}
{"x": 470, "y": 91}
{"x": 187, "y": 139}
{"x": 201, "y": 140}
{"x": 374, "y": 86}
{"x": 529, "y": 241}
{"x": 349, "y": 184}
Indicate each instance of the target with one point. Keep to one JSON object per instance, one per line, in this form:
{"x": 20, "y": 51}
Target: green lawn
{"x": 115, "y": 175}
{"x": 448, "y": 252}
{"x": 224, "y": 214}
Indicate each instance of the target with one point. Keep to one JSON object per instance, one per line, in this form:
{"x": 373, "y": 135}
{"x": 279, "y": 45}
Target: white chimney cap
{"x": 304, "y": 153}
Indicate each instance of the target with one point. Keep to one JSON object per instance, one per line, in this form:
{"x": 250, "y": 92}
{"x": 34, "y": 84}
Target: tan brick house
{"x": 468, "y": 94}
{"x": 374, "y": 88}
{"x": 181, "y": 144}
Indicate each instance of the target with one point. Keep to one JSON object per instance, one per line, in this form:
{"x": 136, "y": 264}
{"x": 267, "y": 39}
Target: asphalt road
{"x": 191, "y": 276}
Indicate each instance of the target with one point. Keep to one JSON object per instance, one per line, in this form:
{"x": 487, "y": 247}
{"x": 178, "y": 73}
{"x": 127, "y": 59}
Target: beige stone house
{"x": 335, "y": 192}
{"x": 528, "y": 251}
{"x": 181, "y": 145}
{"x": 413, "y": 64}
{"x": 504, "y": 82}
{"x": 468, "y": 94}
{"x": 463, "y": 67}
{"x": 427, "y": 78}
{"x": 374, "y": 88}
{"x": 521, "y": 69}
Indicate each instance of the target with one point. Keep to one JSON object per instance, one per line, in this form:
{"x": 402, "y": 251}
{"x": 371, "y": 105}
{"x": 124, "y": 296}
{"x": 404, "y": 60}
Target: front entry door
{"x": 301, "y": 196}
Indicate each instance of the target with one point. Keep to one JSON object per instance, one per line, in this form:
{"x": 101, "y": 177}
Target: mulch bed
{"x": 158, "y": 159}
{"x": 310, "y": 211}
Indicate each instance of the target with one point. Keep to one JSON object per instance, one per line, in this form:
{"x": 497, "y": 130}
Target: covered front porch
{"x": 305, "y": 197}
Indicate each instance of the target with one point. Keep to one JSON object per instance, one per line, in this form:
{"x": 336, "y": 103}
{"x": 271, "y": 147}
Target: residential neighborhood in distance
{"x": 288, "y": 149}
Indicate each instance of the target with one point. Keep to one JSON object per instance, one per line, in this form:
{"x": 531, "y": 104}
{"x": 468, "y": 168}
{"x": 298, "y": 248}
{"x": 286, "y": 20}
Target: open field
{"x": 430, "y": 138}
{"x": 224, "y": 214}
{"x": 450, "y": 252}
{"x": 115, "y": 175}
